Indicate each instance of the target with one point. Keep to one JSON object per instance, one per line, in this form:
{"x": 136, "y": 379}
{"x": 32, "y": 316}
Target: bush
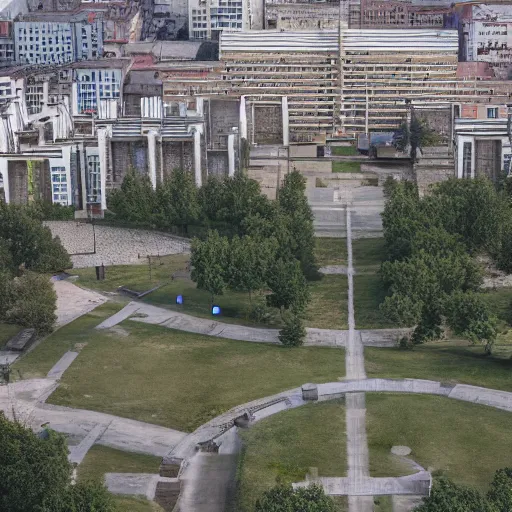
{"x": 46, "y": 210}
{"x": 285, "y": 499}
{"x": 293, "y": 333}
{"x": 33, "y": 302}
{"x": 500, "y": 492}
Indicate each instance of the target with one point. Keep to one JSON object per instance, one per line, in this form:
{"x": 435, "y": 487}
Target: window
{"x": 492, "y": 113}
{"x": 93, "y": 179}
{"x": 59, "y": 186}
{"x": 466, "y": 160}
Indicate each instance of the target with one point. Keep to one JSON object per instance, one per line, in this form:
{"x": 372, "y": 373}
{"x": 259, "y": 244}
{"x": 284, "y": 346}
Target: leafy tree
{"x": 288, "y": 285}
{"x": 5, "y": 293}
{"x": 500, "y": 492}
{"x": 29, "y": 242}
{"x": 294, "y": 204}
{"x": 135, "y": 200}
{"x": 449, "y": 497}
{"x": 469, "y": 316}
{"x": 401, "y": 137}
{"x": 248, "y": 263}
{"x": 177, "y": 202}
{"x": 35, "y": 475}
{"x": 285, "y": 499}
{"x": 32, "y": 302}
{"x": 421, "y": 135}
{"x": 90, "y": 497}
{"x": 212, "y": 199}
{"x": 293, "y": 333}
{"x": 208, "y": 261}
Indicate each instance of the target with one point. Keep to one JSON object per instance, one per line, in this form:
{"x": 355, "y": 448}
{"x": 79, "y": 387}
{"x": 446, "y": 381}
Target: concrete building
{"x": 485, "y": 32}
{"x": 6, "y": 43}
{"x": 37, "y": 40}
{"x": 482, "y": 141}
{"x": 380, "y": 69}
{"x": 207, "y": 19}
{"x": 282, "y": 15}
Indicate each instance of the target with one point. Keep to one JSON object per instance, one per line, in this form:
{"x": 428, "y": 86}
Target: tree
{"x": 35, "y": 475}
{"x": 304, "y": 499}
{"x": 135, "y": 201}
{"x": 293, "y": 333}
{"x": 449, "y": 497}
{"x": 288, "y": 285}
{"x": 5, "y": 293}
{"x": 177, "y": 202}
{"x": 299, "y": 220}
{"x": 420, "y": 135}
{"x": 29, "y": 243}
{"x": 249, "y": 262}
{"x": 208, "y": 263}
{"x": 469, "y": 316}
{"x": 500, "y": 492}
{"x": 32, "y": 302}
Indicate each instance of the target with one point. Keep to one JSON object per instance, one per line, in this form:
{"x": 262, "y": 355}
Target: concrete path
{"x": 62, "y": 365}
{"x": 145, "y": 313}
{"x": 209, "y": 480}
{"x": 73, "y": 301}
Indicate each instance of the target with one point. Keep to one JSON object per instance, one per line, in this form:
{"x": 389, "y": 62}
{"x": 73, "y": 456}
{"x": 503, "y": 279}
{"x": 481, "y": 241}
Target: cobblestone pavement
{"x": 114, "y": 246}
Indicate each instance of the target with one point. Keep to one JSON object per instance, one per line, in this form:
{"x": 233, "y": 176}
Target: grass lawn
{"x": 344, "y": 151}
{"x": 368, "y": 294}
{"x": 328, "y": 307}
{"x": 383, "y": 504}
{"x": 39, "y": 361}
{"x": 368, "y": 254}
{"x": 131, "y": 504}
{"x": 7, "y": 331}
{"x": 325, "y": 310}
{"x": 451, "y": 362}
{"x": 331, "y": 251}
{"x": 464, "y": 441}
{"x": 102, "y": 459}
{"x": 346, "y": 167}
{"x": 283, "y": 447}
{"x": 180, "y": 380}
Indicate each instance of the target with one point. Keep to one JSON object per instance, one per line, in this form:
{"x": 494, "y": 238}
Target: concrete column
{"x": 45, "y": 92}
{"x": 102, "y": 152}
{"x": 231, "y": 154}
{"x": 4, "y": 171}
{"x": 83, "y": 170}
{"x": 152, "y": 156}
{"x": 66, "y": 156}
{"x": 243, "y": 119}
{"x": 197, "y": 155}
{"x": 286, "y": 125}
{"x": 40, "y": 134}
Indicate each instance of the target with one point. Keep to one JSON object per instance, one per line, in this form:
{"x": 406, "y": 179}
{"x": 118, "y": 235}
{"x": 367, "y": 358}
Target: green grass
{"x": 102, "y": 459}
{"x": 7, "y": 331}
{"x": 131, "y": 504}
{"x": 283, "y": 447}
{"x": 181, "y": 380}
{"x": 451, "y": 362}
{"x": 39, "y": 361}
{"x": 331, "y": 251}
{"x": 383, "y": 504}
{"x": 464, "y": 441}
{"x": 500, "y": 303}
{"x": 344, "y": 151}
{"x": 368, "y": 254}
{"x": 235, "y": 306}
{"x": 328, "y": 308}
{"x": 347, "y": 167}
{"x": 368, "y": 294}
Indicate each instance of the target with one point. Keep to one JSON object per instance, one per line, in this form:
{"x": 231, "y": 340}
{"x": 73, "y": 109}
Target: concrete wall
{"x": 306, "y": 150}
{"x": 311, "y": 166}
{"x": 177, "y": 155}
{"x": 18, "y": 181}
{"x": 223, "y": 116}
{"x": 267, "y": 124}
{"x": 126, "y": 156}
{"x": 218, "y": 163}
{"x": 302, "y": 16}
{"x": 425, "y": 178}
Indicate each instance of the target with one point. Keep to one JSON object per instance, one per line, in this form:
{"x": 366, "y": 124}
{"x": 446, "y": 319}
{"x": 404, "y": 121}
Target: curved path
{"x": 141, "y": 312}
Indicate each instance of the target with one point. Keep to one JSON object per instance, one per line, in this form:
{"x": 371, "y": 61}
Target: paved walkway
{"x": 141, "y": 312}
{"x": 73, "y": 301}
{"x": 25, "y": 401}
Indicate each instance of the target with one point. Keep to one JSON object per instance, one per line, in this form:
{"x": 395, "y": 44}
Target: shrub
{"x": 293, "y": 333}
